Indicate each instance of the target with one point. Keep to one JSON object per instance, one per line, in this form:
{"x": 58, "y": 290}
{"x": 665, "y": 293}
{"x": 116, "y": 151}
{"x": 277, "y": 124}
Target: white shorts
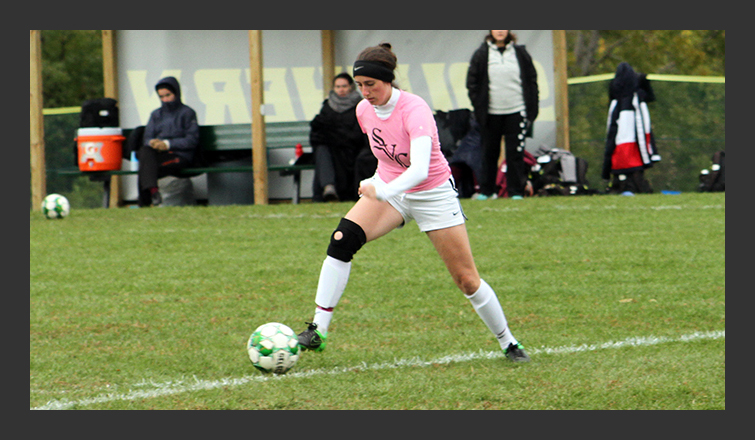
{"x": 437, "y": 208}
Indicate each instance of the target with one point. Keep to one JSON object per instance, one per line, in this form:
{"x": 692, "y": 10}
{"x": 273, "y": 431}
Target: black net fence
{"x": 688, "y": 120}
{"x": 61, "y": 153}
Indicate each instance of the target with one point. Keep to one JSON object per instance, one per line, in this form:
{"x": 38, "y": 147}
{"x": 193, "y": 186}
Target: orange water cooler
{"x": 100, "y": 149}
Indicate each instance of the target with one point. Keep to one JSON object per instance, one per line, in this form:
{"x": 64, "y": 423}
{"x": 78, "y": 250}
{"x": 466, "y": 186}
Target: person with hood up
{"x": 170, "y": 141}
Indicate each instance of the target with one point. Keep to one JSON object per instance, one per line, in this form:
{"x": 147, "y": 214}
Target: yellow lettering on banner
{"x": 547, "y": 114}
{"x": 544, "y": 92}
{"x": 145, "y": 96}
{"x": 278, "y": 106}
{"x": 218, "y": 90}
{"x": 436, "y": 86}
{"x": 457, "y": 74}
{"x": 402, "y": 77}
{"x": 310, "y": 90}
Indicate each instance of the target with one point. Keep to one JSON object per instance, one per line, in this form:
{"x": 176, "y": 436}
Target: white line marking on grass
{"x": 178, "y": 387}
{"x": 578, "y": 207}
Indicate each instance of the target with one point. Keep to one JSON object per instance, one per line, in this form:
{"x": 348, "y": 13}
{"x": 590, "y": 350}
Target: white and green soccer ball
{"x": 55, "y": 206}
{"x": 273, "y": 348}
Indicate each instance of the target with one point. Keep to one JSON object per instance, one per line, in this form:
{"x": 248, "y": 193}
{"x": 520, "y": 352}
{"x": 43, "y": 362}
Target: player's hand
{"x": 367, "y": 190}
{"x": 158, "y": 144}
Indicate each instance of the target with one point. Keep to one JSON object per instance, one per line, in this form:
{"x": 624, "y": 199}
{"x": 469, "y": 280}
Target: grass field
{"x": 620, "y": 301}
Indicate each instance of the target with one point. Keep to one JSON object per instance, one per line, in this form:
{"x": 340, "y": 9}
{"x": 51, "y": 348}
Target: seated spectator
{"x": 171, "y": 138}
{"x": 336, "y": 140}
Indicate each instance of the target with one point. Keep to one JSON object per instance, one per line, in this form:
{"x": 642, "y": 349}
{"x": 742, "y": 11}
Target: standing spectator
{"x": 502, "y": 86}
{"x": 413, "y": 182}
{"x": 170, "y": 141}
{"x": 337, "y": 140}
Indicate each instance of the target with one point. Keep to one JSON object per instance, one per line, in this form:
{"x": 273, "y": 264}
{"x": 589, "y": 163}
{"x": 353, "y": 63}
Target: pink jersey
{"x": 390, "y": 139}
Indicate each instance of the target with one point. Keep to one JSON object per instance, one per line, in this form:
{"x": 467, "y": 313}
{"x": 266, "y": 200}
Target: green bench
{"x": 233, "y": 139}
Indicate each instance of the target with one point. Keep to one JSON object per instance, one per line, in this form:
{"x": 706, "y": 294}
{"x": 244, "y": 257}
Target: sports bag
{"x": 714, "y": 179}
{"x": 100, "y": 112}
{"x": 559, "y": 172}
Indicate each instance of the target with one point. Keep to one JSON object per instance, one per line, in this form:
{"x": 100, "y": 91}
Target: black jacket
{"x": 629, "y": 93}
{"x": 479, "y": 92}
{"x": 174, "y": 121}
{"x": 341, "y": 133}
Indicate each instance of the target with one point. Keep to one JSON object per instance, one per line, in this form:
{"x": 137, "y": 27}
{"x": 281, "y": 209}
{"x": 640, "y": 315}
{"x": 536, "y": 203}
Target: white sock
{"x": 322, "y": 319}
{"x": 334, "y": 276}
{"x": 485, "y": 303}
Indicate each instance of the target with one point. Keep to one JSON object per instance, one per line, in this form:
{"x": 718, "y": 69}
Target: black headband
{"x": 373, "y": 70}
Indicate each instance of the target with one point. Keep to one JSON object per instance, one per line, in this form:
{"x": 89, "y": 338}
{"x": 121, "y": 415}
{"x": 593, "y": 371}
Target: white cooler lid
{"x": 97, "y": 131}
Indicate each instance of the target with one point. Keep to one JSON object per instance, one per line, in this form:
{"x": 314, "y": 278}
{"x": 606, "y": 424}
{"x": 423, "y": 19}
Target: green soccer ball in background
{"x": 55, "y": 206}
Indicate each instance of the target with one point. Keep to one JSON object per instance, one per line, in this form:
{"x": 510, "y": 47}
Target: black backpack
{"x": 714, "y": 179}
{"x": 452, "y": 126}
{"x": 559, "y": 172}
{"x": 133, "y": 142}
{"x": 100, "y": 112}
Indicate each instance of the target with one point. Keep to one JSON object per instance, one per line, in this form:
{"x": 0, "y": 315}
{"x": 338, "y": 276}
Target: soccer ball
{"x": 273, "y": 348}
{"x": 55, "y": 206}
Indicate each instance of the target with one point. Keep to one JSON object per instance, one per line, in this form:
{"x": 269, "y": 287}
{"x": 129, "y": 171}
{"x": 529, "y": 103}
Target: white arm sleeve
{"x": 421, "y": 149}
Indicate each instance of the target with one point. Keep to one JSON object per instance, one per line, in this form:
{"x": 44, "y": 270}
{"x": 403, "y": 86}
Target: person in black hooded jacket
{"x": 170, "y": 142}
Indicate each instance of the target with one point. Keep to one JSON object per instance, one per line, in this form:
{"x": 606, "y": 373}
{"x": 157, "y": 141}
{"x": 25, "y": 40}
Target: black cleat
{"x": 311, "y": 338}
{"x": 516, "y": 353}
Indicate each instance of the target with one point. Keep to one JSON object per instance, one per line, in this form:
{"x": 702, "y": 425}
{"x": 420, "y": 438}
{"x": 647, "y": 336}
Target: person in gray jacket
{"x": 170, "y": 141}
{"x": 502, "y": 86}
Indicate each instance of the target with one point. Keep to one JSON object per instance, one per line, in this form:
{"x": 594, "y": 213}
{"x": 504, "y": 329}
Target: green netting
{"x": 688, "y": 118}
{"x": 60, "y": 152}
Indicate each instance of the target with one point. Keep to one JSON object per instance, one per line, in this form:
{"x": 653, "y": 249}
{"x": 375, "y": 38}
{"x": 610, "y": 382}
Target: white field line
{"x": 578, "y": 207}
{"x": 179, "y": 387}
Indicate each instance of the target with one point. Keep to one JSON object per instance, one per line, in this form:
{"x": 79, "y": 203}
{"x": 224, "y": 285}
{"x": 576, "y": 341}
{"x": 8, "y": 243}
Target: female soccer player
{"x": 413, "y": 182}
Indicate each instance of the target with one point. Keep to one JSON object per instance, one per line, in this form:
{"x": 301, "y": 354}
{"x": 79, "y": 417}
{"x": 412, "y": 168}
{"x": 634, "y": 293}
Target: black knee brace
{"x": 352, "y": 240}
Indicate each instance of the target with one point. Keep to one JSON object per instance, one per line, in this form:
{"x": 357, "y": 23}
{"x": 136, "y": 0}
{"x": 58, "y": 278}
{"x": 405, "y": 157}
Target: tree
{"x": 678, "y": 52}
{"x": 71, "y": 67}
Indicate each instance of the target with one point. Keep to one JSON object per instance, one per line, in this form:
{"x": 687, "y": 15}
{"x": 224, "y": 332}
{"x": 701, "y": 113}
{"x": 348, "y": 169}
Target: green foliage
{"x": 71, "y": 67}
{"x": 679, "y": 52}
{"x": 151, "y": 308}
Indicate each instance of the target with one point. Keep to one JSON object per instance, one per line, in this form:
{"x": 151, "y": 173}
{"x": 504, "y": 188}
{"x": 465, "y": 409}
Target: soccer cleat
{"x": 516, "y": 353}
{"x": 311, "y": 338}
